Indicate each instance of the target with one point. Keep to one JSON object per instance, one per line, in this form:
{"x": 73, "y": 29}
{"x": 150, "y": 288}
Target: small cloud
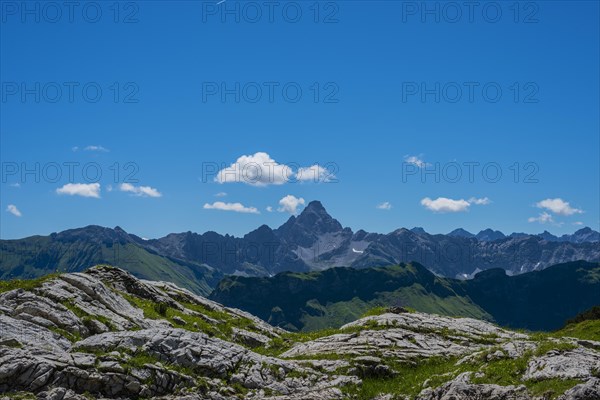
{"x": 96, "y": 148}
{"x": 480, "y": 202}
{"x": 290, "y": 204}
{"x": 257, "y": 169}
{"x": 15, "y": 185}
{"x": 75, "y": 148}
{"x": 269, "y": 209}
{"x": 80, "y": 189}
{"x": 235, "y": 207}
{"x": 109, "y": 188}
{"x": 314, "y": 173}
{"x": 578, "y": 223}
{"x": 221, "y": 194}
{"x": 14, "y": 210}
{"x": 386, "y": 205}
{"x": 445, "y": 205}
{"x": 558, "y": 206}
{"x": 141, "y": 191}
{"x": 543, "y": 218}
{"x": 415, "y": 160}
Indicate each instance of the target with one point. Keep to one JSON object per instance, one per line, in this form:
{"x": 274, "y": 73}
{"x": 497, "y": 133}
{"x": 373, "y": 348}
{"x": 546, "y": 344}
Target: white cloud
{"x": 269, "y": 209}
{"x": 13, "y": 210}
{"x": 290, "y": 204}
{"x": 558, "y": 206}
{"x": 96, "y": 148}
{"x": 75, "y": 148}
{"x": 80, "y": 189}
{"x": 480, "y": 202}
{"x": 443, "y": 205}
{"x": 15, "y": 185}
{"x": 142, "y": 191}
{"x": 415, "y": 160}
{"x": 578, "y": 223}
{"x": 220, "y": 194}
{"x": 542, "y": 218}
{"x": 235, "y": 207}
{"x": 314, "y": 173}
{"x": 386, "y": 205}
{"x": 258, "y": 169}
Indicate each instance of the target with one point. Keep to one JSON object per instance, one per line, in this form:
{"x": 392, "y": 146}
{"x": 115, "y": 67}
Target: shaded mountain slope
{"x": 78, "y": 249}
{"x": 536, "y": 300}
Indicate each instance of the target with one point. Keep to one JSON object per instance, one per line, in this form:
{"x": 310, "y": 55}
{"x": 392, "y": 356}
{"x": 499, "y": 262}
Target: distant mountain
{"x": 548, "y": 236}
{"x": 489, "y": 235}
{"x": 311, "y": 241}
{"x": 460, "y": 232}
{"x": 517, "y": 235}
{"x": 310, "y": 226}
{"x": 307, "y": 301}
{"x": 581, "y": 236}
{"x": 451, "y": 256}
{"x": 418, "y": 230}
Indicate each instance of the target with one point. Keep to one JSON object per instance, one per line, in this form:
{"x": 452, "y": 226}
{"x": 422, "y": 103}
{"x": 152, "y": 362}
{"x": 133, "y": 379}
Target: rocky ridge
{"x": 106, "y": 334}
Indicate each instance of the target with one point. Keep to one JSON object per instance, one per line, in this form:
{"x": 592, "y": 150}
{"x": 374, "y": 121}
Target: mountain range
{"x": 311, "y": 241}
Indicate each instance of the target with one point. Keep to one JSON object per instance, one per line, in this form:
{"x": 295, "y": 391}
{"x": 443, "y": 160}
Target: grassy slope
{"x": 336, "y": 296}
{"x": 589, "y": 330}
{"x": 414, "y": 296}
{"x": 585, "y": 325}
{"x": 436, "y": 371}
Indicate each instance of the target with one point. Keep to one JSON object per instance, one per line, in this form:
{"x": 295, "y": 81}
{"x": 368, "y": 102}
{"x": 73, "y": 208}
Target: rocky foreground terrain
{"x": 105, "y": 334}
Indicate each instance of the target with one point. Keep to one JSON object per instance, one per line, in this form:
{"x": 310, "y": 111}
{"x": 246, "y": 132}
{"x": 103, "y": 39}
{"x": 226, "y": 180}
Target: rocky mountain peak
{"x": 489, "y": 235}
{"x": 460, "y": 232}
{"x": 262, "y": 234}
{"x": 419, "y": 230}
{"x": 548, "y": 236}
{"x": 316, "y": 217}
{"x": 313, "y": 222}
{"x": 315, "y": 206}
{"x": 585, "y": 235}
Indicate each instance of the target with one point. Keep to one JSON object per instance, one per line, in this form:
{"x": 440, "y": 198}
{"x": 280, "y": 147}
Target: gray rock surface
{"x": 408, "y": 336}
{"x": 461, "y": 389}
{"x": 111, "y": 335}
{"x": 467, "y": 327}
{"x": 580, "y": 363}
{"x": 589, "y": 390}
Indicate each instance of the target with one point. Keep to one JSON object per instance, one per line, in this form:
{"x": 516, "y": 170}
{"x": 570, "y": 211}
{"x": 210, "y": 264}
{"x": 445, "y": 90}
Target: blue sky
{"x": 385, "y": 88}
